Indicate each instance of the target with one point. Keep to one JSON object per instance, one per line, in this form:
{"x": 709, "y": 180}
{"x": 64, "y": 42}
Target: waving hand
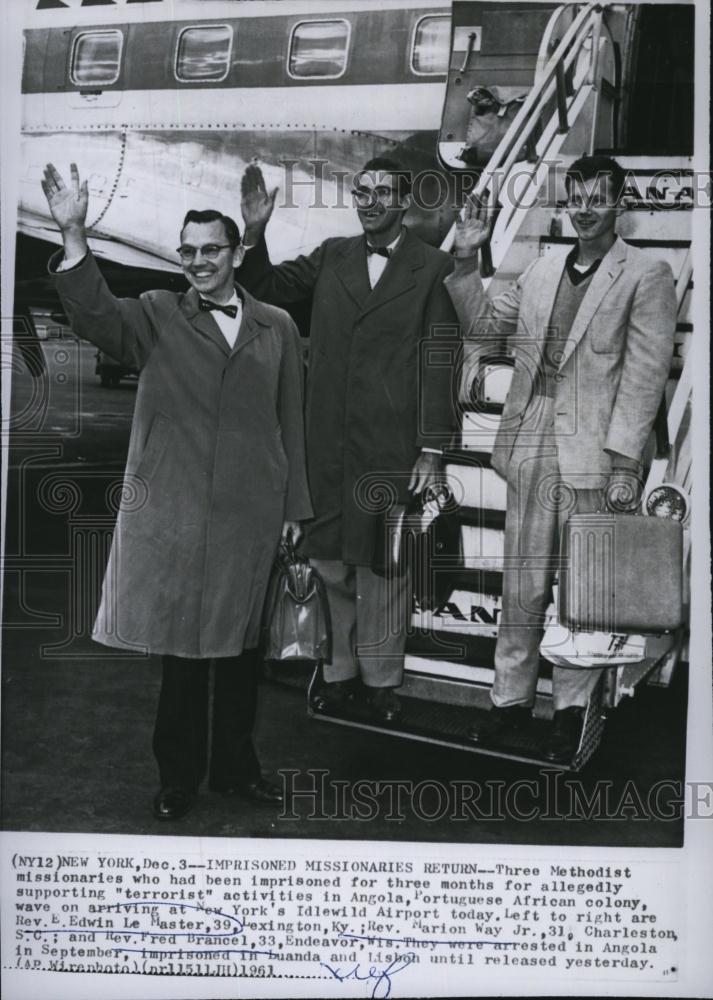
{"x": 472, "y": 229}
{"x": 68, "y": 208}
{"x": 257, "y": 203}
{"x": 67, "y": 204}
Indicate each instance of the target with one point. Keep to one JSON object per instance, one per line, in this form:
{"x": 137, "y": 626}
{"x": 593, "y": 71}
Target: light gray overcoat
{"x": 216, "y": 463}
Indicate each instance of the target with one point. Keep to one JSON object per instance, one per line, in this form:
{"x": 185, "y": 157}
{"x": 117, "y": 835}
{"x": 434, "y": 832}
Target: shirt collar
{"x": 575, "y": 275}
{"x": 394, "y": 243}
{"x": 234, "y": 300}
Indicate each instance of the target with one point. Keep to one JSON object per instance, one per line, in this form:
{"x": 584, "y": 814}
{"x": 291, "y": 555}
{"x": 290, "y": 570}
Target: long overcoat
{"x": 215, "y": 464}
{"x": 381, "y": 382}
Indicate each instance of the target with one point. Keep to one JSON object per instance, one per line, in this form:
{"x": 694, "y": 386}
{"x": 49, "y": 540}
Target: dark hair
{"x": 388, "y": 166}
{"x": 232, "y": 233}
{"x": 587, "y": 168}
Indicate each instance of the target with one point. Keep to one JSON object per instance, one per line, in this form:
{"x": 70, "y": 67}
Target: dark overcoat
{"x": 216, "y": 463}
{"x": 381, "y": 382}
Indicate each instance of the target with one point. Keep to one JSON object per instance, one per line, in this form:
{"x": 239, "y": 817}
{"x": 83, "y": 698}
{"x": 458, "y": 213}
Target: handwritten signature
{"x": 381, "y": 978}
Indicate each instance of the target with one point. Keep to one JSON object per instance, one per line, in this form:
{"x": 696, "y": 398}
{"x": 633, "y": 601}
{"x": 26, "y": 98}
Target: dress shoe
{"x": 384, "y": 704}
{"x": 257, "y": 790}
{"x": 563, "y": 741}
{"x": 500, "y": 723}
{"x": 172, "y": 803}
{"x": 333, "y": 696}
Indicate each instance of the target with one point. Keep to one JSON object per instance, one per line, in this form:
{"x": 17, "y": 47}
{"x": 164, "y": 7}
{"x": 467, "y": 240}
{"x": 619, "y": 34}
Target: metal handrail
{"x": 684, "y": 280}
{"x": 528, "y": 117}
{"x": 674, "y": 413}
{"x": 677, "y": 405}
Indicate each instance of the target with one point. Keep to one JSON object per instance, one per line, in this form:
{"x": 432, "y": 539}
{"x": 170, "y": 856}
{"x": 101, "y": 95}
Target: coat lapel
{"x": 254, "y": 319}
{"x": 550, "y": 282}
{"x": 203, "y": 321}
{"x": 545, "y": 300}
{"x": 352, "y": 271}
{"x": 605, "y": 276}
{"x": 398, "y": 276}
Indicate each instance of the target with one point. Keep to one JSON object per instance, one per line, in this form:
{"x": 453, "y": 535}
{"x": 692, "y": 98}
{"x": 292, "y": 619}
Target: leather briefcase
{"x": 296, "y": 616}
{"x": 621, "y": 573}
{"x": 423, "y": 538}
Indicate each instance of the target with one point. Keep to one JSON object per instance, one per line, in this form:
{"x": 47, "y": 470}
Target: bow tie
{"x": 381, "y": 251}
{"x": 229, "y": 310}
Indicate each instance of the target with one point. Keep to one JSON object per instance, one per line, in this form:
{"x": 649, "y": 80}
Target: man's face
{"x": 378, "y": 205}
{"x": 592, "y": 208}
{"x": 210, "y": 272}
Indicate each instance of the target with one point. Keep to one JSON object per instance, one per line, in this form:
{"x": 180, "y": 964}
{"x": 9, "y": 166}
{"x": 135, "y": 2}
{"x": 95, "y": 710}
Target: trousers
{"x": 369, "y": 615}
{"x": 180, "y": 740}
{"x": 539, "y": 501}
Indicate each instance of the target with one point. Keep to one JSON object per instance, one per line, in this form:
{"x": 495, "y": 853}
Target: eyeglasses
{"x": 370, "y": 196}
{"x": 210, "y": 250}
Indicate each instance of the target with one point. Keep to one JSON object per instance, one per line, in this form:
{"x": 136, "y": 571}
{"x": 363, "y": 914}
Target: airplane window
{"x": 319, "y": 49}
{"x": 204, "y": 53}
{"x": 96, "y": 57}
{"x": 431, "y": 45}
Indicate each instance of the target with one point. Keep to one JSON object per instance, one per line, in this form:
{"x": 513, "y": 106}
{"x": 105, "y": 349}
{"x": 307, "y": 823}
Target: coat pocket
{"x": 154, "y": 447}
{"x": 607, "y": 333}
{"x": 278, "y": 463}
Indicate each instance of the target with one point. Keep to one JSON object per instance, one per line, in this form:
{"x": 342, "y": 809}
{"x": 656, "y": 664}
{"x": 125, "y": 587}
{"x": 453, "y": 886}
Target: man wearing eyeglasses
{"x": 379, "y": 409}
{"x": 215, "y": 472}
{"x": 591, "y": 330}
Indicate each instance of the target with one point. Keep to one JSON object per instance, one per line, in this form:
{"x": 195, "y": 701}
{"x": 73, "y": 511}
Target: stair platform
{"x": 448, "y": 724}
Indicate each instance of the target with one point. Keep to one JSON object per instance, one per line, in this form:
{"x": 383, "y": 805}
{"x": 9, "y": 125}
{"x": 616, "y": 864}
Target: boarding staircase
{"x": 449, "y": 662}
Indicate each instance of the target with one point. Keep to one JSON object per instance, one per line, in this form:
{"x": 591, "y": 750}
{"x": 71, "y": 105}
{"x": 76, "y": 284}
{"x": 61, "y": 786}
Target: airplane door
{"x": 493, "y": 45}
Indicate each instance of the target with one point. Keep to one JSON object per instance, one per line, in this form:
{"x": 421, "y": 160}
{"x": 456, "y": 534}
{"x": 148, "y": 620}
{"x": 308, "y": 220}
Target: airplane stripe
{"x": 365, "y": 108}
{"x": 258, "y": 56}
{"x": 202, "y": 9}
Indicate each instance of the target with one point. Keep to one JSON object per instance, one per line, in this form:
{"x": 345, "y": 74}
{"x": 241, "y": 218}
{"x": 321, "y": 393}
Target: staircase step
{"x": 480, "y": 517}
{"x": 468, "y": 457}
{"x": 479, "y": 431}
{"x": 486, "y": 408}
{"x": 479, "y": 583}
{"x": 473, "y": 482}
{"x": 448, "y": 725}
{"x": 488, "y": 382}
{"x": 484, "y": 547}
{"x": 466, "y": 650}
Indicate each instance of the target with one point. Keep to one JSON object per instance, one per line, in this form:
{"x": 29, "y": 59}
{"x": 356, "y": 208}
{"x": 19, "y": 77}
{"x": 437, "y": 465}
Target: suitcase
{"x": 621, "y": 573}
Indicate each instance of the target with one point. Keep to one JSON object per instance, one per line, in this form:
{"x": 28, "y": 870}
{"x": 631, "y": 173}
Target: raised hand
{"x": 472, "y": 229}
{"x": 257, "y": 203}
{"x": 67, "y": 204}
